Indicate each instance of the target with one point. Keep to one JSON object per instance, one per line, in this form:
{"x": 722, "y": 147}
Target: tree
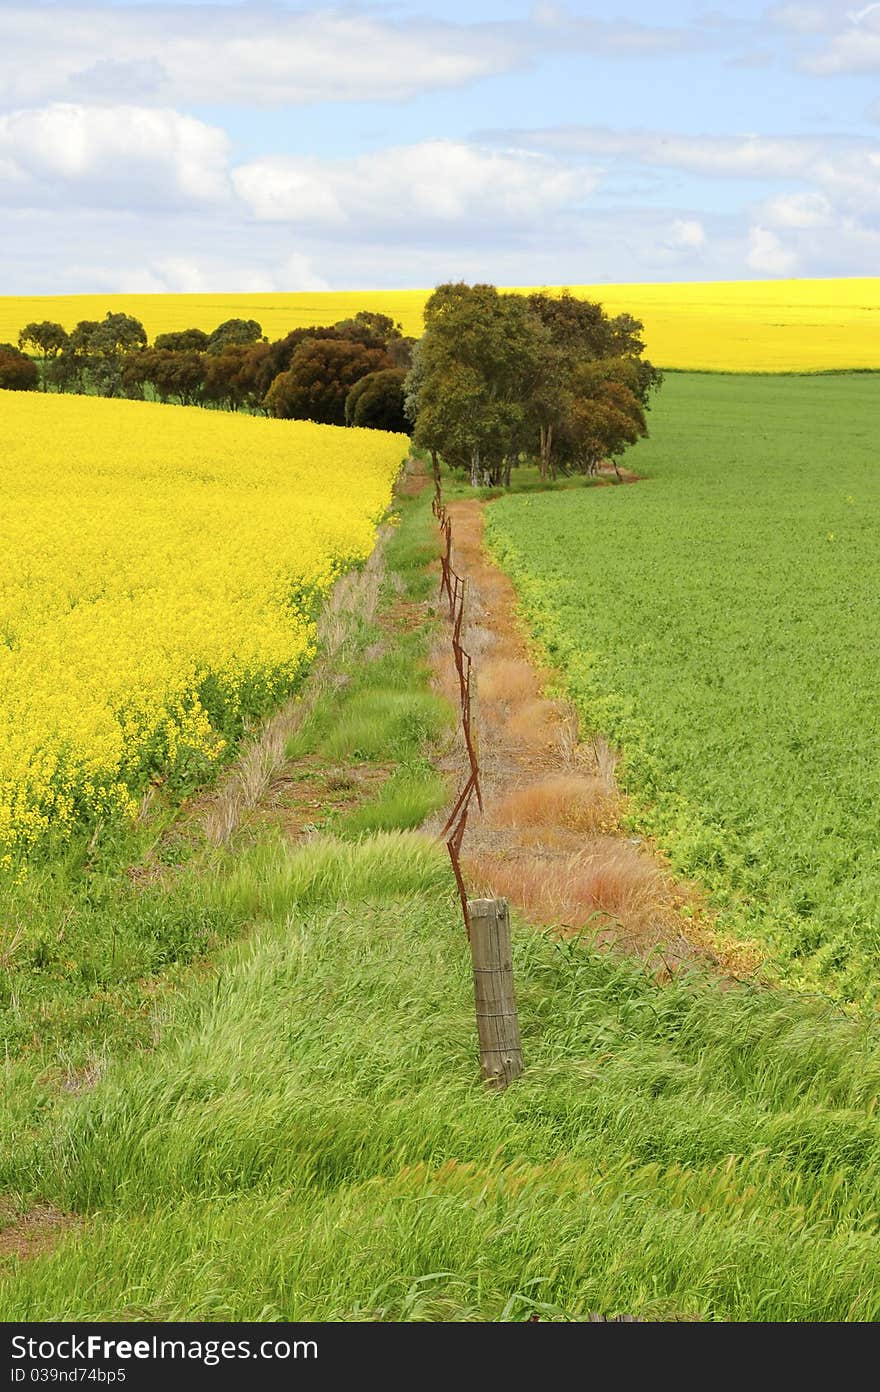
{"x": 604, "y": 417}
{"x": 280, "y": 352}
{"x": 172, "y": 375}
{"x": 471, "y": 380}
{"x": 114, "y": 336}
{"x": 94, "y": 354}
{"x": 322, "y": 371}
{"x": 581, "y": 333}
{"x": 233, "y": 332}
{"x": 46, "y": 340}
{"x": 17, "y": 371}
{"x": 222, "y": 383}
{"x": 356, "y": 331}
{"x": 382, "y": 325}
{"x": 376, "y": 401}
{"x": 400, "y": 351}
{"x": 183, "y": 341}
{"x": 69, "y": 368}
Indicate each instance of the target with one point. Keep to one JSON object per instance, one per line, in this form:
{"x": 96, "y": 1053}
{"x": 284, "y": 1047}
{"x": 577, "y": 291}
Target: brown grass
{"x": 535, "y": 723}
{"x": 574, "y": 801}
{"x": 606, "y": 761}
{"x": 27, "y": 1234}
{"x": 612, "y": 889}
{"x": 507, "y": 679}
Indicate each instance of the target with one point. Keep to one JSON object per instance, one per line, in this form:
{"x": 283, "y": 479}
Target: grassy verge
{"x": 525, "y": 478}
{"x": 302, "y": 1132}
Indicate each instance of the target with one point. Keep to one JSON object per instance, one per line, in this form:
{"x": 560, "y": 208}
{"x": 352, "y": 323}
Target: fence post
{"x": 497, "y": 1020}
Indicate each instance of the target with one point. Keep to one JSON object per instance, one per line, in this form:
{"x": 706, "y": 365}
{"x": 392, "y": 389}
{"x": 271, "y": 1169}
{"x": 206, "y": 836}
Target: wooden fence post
{"x": 497, "y": 1020}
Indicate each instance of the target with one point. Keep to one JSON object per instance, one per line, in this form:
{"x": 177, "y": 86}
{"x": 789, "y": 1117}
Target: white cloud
{"x": 826, "y": 199}
{"x": 198, "y": 275}
{"x": 688, "y": 232}
{"x": 834, "y": 38}
{"x": 800, "y": 210}
{"x": 256, "y": 55}
{"x": 845, "y": 169}
{"x": 767, "y": 255}
{"x": 737, "y": 156}
{"x": 268, "y": 55}
{"x": 438, "y": 182}
{"x": 109, "y": 251}
{"x": 803, "y": 19}
{"x": 122, "y": 156}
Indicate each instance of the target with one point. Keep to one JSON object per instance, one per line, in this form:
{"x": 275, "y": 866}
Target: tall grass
{"x": 311, "y": 1139}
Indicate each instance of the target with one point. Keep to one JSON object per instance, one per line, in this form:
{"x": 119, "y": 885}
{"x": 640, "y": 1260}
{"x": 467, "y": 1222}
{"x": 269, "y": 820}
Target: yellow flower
{"x": 160, "y": 573}
{"x": 733, "y": 326}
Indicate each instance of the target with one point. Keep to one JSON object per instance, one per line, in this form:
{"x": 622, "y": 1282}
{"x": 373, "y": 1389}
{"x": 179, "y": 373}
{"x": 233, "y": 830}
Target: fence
{"x": 486, "y": 921}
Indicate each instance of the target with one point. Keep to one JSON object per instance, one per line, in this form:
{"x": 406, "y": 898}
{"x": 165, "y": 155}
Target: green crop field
{"x": 719, "y": 622}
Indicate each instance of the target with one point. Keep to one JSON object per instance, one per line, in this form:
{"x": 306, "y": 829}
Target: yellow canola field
{"x": 160, "y": 571}
{"x": 730, "y": 326}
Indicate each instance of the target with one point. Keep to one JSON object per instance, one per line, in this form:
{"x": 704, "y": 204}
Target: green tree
{"x": 114, "y": 336}
{"x": 471, "y": 380}
{"x": 579, "y": 333}
{"x": 93, "y": 357}
{"x": 45, "y": 340}
{"x": 382, "y": 325}
{"x": 70, "y": 367}
{"x": 233, "y": 333}
{"x": 376, "y": 401}
{"x": 183, "y": 341}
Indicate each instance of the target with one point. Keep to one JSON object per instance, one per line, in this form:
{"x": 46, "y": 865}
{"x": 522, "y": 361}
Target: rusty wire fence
{"x": 454, "y": 587}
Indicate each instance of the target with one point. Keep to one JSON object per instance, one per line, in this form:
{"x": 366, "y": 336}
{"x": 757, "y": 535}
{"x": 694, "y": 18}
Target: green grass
{"x": 373, "y": 722}
{"x": 310, "y": 1139}
{"x": 719, "y": 621}
{"x": 410, "y": 795}
{"x": 525, "y": 478}
{"x": 294, "y": 1126}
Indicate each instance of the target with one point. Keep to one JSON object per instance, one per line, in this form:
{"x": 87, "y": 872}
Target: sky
{"x": 215, "y": 145}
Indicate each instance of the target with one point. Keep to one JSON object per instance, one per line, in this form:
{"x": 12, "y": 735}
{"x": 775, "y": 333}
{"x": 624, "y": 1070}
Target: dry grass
{"x": 536, "y": 723}
{"x": 612, "y": 889}
{"x": 25, "y": 1235}
{"x": 356, "y": 592}
{"x": 478, "y": 641}
{"x": 10, "y": 946}
{"x": 606, "y": 761}
{"x": 507, "y": 679}
{"x": 573, "y": 801}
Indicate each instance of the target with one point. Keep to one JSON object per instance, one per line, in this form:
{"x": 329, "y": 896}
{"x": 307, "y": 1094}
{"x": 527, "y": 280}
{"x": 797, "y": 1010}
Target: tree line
{"x": 348, "y": 373}
{"x": 497, "y": 379}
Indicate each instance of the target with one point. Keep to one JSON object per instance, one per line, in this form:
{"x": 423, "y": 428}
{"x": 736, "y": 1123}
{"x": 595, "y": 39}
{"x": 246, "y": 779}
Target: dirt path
{"x": 552, "y": 838}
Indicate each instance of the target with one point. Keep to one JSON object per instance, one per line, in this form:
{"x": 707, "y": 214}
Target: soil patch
{"x": 28, "y": 1234}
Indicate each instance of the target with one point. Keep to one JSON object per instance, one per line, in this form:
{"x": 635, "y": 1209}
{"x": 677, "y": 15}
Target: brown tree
{"x": 17, "y": 371}
{"x": 322, "y": 372}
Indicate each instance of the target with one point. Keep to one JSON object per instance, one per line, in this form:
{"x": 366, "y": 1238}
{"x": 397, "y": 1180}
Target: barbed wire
{"x": 454, "y": 587}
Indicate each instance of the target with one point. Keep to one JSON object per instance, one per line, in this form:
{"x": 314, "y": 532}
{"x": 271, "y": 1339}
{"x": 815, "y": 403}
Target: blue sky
{"x": 189, "y": 145}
